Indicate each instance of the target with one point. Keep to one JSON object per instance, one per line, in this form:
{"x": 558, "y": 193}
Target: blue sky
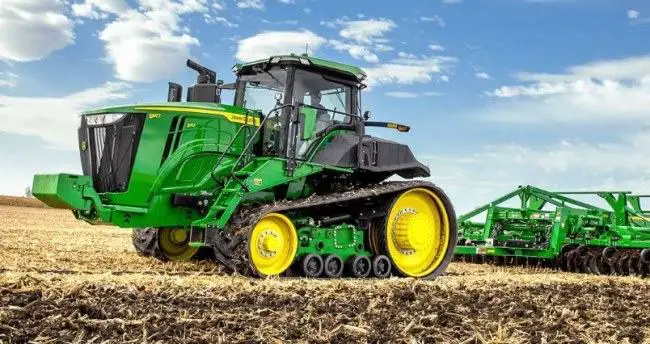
{"x": 554, "y": 93}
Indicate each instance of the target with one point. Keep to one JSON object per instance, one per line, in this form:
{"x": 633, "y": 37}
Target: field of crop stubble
{"x": 65, "y": 281}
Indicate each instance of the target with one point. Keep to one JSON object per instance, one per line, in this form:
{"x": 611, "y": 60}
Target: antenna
{"x": 306, "y": 48}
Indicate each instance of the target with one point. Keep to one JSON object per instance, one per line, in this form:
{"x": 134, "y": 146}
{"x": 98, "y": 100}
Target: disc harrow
{"x": 554, "y": 230}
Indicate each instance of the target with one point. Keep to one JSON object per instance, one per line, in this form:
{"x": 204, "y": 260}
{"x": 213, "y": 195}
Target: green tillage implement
{"x": 551, "y": 229}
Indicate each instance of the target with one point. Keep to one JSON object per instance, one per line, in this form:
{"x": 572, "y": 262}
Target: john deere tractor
{"x": 285, "y": 181}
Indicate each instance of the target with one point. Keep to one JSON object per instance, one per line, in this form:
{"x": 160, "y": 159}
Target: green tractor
{"x": 283, "y": 182}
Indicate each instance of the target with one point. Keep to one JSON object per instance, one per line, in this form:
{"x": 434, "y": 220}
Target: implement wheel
{"x": 419, "y": 234}
{"x": 272, "y": 245}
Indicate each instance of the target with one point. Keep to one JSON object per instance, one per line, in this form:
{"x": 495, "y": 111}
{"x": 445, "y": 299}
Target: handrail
{"x": 223, "y": 155}
{"x": 329, "y": 110}
{"x": 252, "y": 138}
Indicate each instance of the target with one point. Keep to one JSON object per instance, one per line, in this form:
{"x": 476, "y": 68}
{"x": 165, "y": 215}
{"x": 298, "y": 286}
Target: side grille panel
{"x": 112, "y": 148}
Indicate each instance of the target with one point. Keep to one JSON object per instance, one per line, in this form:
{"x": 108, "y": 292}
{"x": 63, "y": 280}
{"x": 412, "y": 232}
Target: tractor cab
{"x": 304, "y": 98}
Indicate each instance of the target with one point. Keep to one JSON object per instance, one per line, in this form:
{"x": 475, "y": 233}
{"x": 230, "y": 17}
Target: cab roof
{"x": 355, "y": 72}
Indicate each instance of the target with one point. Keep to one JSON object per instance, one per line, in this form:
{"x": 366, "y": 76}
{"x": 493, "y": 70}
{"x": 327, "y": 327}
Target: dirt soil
{"x": 21, "y": 201}
{"x": 62, "y": 280}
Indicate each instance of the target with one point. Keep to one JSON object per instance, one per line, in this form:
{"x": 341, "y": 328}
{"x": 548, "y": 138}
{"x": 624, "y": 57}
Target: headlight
{"x": 103, "y": 119}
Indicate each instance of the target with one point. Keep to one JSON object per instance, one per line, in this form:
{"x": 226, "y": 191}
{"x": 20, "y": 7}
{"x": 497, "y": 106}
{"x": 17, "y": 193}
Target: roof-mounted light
{"x": 304, "y": 61}
{"x": 275, "y": 60}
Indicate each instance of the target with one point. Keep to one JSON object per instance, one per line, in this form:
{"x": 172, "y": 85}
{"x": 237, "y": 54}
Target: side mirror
{"x": 366, "y": 115}
{"x": 309, "y": 122}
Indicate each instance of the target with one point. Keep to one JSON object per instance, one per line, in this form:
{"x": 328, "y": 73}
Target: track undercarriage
{"x": 338, "y": 234}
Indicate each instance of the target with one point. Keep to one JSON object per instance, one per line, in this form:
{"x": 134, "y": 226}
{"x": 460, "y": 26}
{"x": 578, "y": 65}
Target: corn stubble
{"x": 64, "y": 281}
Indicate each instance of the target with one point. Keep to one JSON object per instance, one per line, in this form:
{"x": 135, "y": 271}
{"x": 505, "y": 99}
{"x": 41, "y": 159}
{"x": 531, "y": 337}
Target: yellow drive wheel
{"x": 419, "y": 233}
{"x": 272, "y": 245}
{"x": 173, "y": 244}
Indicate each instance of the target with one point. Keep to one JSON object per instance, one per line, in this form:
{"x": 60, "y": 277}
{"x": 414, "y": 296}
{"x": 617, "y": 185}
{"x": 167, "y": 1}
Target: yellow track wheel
{"x": 172, "y": 243}
{"x": 272, "y": 245}
{"x": 420, "y": 232}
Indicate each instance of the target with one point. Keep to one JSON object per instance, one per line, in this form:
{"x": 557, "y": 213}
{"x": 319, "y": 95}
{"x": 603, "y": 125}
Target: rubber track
{"x": 234, "y": 254}
{"x": 145, "y": 242}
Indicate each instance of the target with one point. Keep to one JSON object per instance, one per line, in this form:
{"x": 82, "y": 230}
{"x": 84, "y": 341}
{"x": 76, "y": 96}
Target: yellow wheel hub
{"x": 173, "y": 243}
{"x": 273, "y": 244}
{"x": 410, "y": 231}
{"x": 417, "y": 232}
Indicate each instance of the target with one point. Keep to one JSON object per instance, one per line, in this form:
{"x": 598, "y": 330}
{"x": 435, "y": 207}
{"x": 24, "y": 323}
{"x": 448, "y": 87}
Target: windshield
{"x": 263, "y": 89}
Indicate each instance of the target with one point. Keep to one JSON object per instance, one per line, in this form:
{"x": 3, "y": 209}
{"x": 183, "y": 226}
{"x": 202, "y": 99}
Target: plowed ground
{"x": 64, "y": 281}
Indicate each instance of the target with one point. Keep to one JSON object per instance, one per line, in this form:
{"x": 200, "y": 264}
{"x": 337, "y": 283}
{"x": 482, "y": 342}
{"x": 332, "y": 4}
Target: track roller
{"x": 333, "y": 266}
{"x": 312, "y": 265}
{"x": 359, "y": 266}
{"x": 381, "y": 266}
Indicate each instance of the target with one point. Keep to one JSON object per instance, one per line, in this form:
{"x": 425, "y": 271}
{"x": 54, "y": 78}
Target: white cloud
{"x": 409, "y": 69}
{"x": 96, "y": 9}
{"x": 55, "y": 119}
{"x": 362, "y": 38}
{"x": 212, "y": 19}
{"x": 358, "y": 52}
{"x": 483, "y": 75}
{"x": 32, "y": 30}
{"x": 365, "y": 31}
{"x": 287, "y": 1}
{"x": 632, "y": 14}
{"x": 610, "y": 91}
{"x": 254, "y": 4}
{"x": 268, "y": 43}
{"x": 306, "y": 10}
{"x": 408, "y": 95}
{"x": 403, "y": 95}
{"x": 436, "y": 47}
{"x": 435, "y": 19}
{"x": 8, "y": 79}
{"x": 285, "y": 22}
{"x": 151, "y": 43}
{"x": 382, "y": 47}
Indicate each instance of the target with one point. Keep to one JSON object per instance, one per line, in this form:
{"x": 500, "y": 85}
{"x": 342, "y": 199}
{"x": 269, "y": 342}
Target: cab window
{"x": 329, "y": 97}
